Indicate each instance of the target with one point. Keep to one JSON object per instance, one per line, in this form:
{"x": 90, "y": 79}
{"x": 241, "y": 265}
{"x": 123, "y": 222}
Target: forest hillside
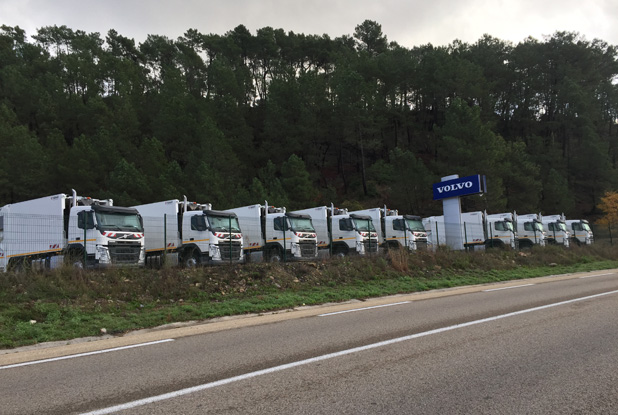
{"x": 303, "y": 120}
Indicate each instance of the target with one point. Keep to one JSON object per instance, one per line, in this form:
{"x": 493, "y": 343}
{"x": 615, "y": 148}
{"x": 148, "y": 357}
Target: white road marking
{"x": 194, "y": 389}
{"x": 54, "y": 359}
{"x": 597, "y": 275}
{"x": 507, "y": 288}
{"x": 364, "y": 308}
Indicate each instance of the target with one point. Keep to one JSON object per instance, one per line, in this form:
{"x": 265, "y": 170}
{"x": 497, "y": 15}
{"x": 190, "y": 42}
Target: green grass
{"x": 65, "y": 304}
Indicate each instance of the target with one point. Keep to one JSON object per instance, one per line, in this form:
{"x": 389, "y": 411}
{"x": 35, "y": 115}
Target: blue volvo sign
{"x": 462, "y": 186}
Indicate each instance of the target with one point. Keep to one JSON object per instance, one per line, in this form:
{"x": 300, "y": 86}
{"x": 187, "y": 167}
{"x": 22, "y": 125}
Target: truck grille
{"x": 124, "y": 253}
{"x": 230, "y": 251}
{"x": 371, "y": 246}
{"x": 421, "y": 245}
{"x": 308, "y": 249}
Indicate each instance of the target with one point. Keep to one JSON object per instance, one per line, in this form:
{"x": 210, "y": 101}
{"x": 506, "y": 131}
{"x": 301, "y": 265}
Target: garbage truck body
{"x": 556, "y": 229}
{"x": 581, "y": 232}
{"x": 341, "y": 232}
{"x": 46, "y": 232}
{"x": 530, "y": 230}
{"x": 495, "y": 230}
{"x": 275, "y": 235}
{"x": 190, "y": 234}
{"x": 436, "y": 231}
{"x": 395, "y": 230}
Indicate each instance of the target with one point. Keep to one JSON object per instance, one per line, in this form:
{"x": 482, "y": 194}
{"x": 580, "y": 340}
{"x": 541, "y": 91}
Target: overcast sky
{"x": 407, "y": 22}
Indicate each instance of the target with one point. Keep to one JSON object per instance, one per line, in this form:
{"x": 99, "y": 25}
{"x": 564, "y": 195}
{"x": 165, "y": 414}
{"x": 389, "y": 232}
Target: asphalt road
{"x": 538, "y": 346}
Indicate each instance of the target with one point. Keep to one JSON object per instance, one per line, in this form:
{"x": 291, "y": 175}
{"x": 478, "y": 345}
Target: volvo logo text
{"x": 456, "y": 186}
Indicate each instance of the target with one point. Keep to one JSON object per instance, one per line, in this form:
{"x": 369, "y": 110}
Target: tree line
{"x": 304, "y": 120}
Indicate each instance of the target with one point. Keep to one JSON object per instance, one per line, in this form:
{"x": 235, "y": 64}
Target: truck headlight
{"x": 103, "y": 254}
{"x": 213, "y": 251}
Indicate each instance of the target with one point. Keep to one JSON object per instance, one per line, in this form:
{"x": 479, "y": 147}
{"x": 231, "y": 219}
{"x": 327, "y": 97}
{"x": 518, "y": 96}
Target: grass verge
{"x": 66, "y": 303}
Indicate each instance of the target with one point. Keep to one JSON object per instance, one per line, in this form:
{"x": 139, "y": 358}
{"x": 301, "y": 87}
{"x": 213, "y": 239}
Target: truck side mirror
{"x": 345, "y": 224}
{"x": 280, "y": 224}
{"x": 398, "y": 225}
{"x": 198, "y": 223}
{"x": 85, "y": 220}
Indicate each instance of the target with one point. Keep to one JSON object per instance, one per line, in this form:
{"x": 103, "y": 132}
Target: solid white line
{"x": 181, "y": 392}
{"x": 507, "y": 288}
{"x": 597, "y": 275}
{"x": 54, "y": 359}
{"x": 361, "y": 309}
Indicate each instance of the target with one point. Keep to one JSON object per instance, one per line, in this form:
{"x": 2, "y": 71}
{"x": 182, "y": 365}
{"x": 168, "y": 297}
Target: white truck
{"x": 276, "y": 235}
{"x": 436, "y": 233}
{"x": 341, "y": 232}
{"x": 581, "y": 232}
{"x": 530, "y": 230}
{"x": 495, "y": 230}
{"x": 190, "y": 233}
{"x": 46, "y": 232}
{"x": 395, "y": 230}
{"x": 556, "y": 230}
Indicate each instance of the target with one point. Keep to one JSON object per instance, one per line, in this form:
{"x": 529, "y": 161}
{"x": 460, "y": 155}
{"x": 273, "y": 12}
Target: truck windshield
{"x": 586, "y": 227}
{"x": 301, "y": 225}
{"x": 223, "y": 223}
{"x": 415, "y": 225}
{"x": 119, "y": 221}
{"x": 364, "y": 225}
{"x": 538, "y": 227}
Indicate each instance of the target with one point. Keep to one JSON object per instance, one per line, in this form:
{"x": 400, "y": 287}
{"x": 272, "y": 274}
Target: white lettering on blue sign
{"x": 456, "y": 186}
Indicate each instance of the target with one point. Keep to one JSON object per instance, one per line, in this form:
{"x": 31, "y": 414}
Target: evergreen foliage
{"x": 305, "y": 120}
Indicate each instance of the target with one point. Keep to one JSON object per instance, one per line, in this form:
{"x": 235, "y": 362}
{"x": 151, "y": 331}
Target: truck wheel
{"x": 275, "y": 255}
{"x": 494, "y": 244}
{"x": 393, "y": 246}
{"x": 340, "y": 251}
{"x": 19, "y": 265}
{"x": 525, "y": 244}
{"x": 191, "y": 259}
{"x": 75, "y": 259}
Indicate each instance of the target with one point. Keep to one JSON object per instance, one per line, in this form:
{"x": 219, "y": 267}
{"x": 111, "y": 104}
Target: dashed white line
{"x": 507, "y": 288}
{"x": 362, "y": 309}
{"x": 597, "y": 275}
{"x": 181, "y": 392}
{"x": 72, "y": 356}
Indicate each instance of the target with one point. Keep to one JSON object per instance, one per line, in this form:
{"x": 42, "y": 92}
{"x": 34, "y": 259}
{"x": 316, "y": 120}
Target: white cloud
{"x": 409, "y": 23}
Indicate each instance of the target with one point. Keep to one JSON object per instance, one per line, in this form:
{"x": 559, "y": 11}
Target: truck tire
{"x": 393, "y": 246}
{"x": 494, "y": 244}
{"x": 275, "y": 254}
{"x": 75, "y": 259}
{"x": 339, "y": 251}
{"x": 19, "y": 265}
{"x": 525, "y": 244}
{"x": 191, "y": 259}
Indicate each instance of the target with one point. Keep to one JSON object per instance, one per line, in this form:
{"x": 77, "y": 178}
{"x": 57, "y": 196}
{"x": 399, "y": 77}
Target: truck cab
{"x": 113, "y": 235}
{"x": 395, "y": 230}
{"x": 556, "y": 230}
{"x": 581, "y": 232}
{"x": 275, "y": 234}
{"x": 47, "y": 232}
{"x": 290, "y": 236}
{"x": 190, "y": 233}
{"x": 210, "y": 237}
{"x": 500, "y": 230}
{"x": 341, "y": 232}
{"x": 530, "y": 230}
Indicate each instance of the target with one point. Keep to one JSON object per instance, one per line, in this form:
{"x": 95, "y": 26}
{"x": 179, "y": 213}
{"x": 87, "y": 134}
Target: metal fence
{"x": 34, "y": 240}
